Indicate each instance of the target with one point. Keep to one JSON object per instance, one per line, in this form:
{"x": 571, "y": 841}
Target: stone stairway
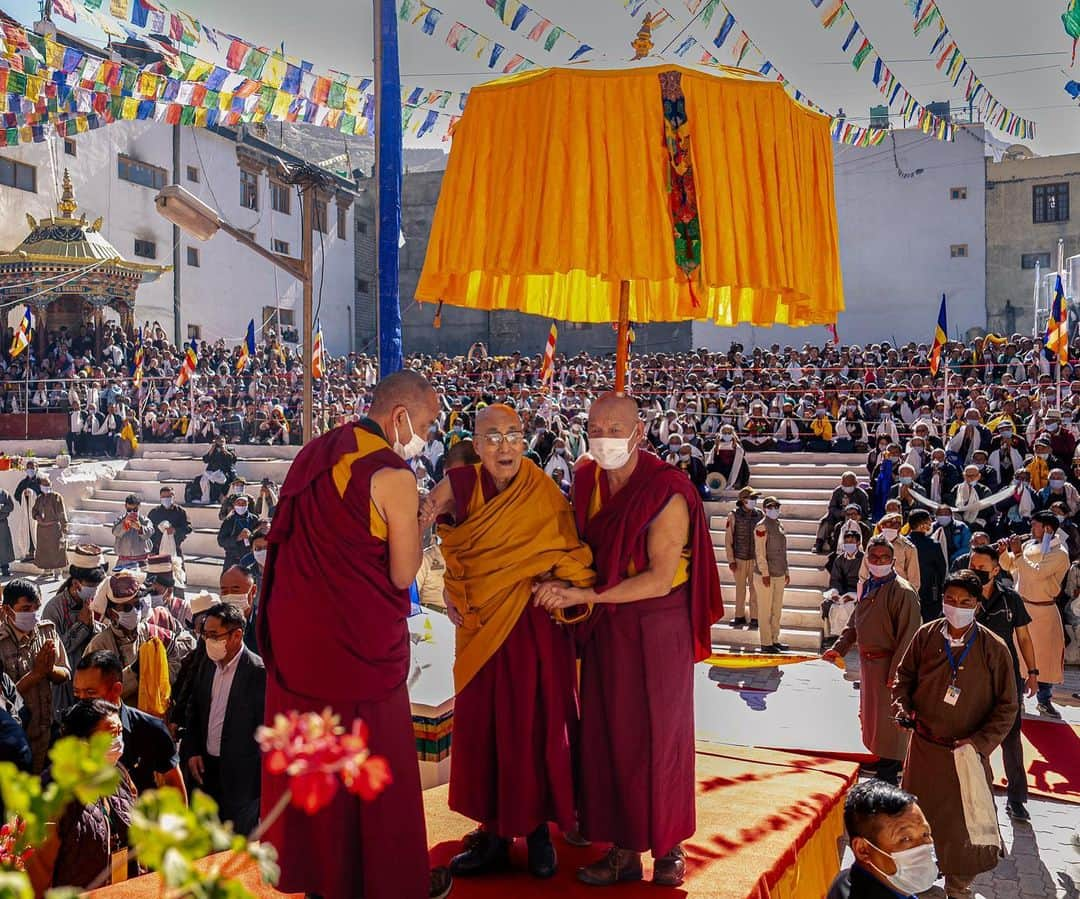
{"x": 156, "y": 465}
{"x": 803, "y": 483}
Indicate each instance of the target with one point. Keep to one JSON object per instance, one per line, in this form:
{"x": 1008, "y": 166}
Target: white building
{"x": 217, "y": 286}
{"x": 912, "y": 217}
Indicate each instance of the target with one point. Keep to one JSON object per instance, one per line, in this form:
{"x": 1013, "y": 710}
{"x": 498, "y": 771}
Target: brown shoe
{"x": 618, "y": 866}
{"x": 670, "y": 871}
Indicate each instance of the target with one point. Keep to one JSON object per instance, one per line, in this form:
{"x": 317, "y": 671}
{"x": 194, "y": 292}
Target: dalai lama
{"x": 657, "y": 595}
{"x": 343, "y": 550}
{"x": 515, "y": 709}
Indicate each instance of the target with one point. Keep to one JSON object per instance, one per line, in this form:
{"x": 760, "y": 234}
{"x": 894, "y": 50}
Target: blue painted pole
{"x": 388, "y": 183}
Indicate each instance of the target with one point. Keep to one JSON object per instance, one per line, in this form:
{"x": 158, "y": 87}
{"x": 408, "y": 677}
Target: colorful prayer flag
{"x": 247, "y": 348}
{"x": 23, "y": 334}
{"x": 191, "y": 360}
{"x": 1056, "y": 341}
{"x": 941, "y": 337}
{"x": 547, "y": 366}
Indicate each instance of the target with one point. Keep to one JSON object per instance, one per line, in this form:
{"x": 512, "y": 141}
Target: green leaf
{"x": 175, "y": 868}
{"x": 15, "y": 885}
{"x": 265, "y": 857}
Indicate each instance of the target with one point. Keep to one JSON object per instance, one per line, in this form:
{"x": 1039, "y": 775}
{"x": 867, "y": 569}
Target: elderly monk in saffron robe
{"x": 515, "y": 712}
{"x": 657, "y": 597}
{"x": 343, "y": 550}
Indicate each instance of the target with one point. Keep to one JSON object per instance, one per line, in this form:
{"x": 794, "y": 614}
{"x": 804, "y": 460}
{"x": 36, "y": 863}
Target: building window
{"x": 145, "y": 248}
{"x": 1029, "y": 260}
{"x": 69, "y": 147}
{"x": 320, "y": 216}
{"x": 1049, "y": 203}
{"x": 281, "y": 246}
{"x": 958, "y": 251}
{"x": 277, "y": 318}
{"x": 193, "y": 257}
{"x": 958, "y": 193}
{"x": 249, "y": 189}
{"x": 143, "y": 173}
{"x": 194, "y": 332}
{"x": 17, "y": 174}
{"x": 280, "y": 199}
{"x": 363, "y": 285}
{"x": 193, "y": 174}
{"x": 361, "y": 226}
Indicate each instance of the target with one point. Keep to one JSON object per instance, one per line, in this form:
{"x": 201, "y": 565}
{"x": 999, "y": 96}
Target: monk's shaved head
{"x": 613, "y": 406}
{"x": 497, "y": 416}
{"x": 402, "y": 388}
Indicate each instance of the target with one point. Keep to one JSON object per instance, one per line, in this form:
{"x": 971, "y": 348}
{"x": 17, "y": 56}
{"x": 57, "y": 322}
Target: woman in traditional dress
{"x": 50, "y": 554}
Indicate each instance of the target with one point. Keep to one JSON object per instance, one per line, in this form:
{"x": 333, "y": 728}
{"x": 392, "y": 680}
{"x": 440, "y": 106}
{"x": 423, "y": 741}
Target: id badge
{"x": 952, "y": 695}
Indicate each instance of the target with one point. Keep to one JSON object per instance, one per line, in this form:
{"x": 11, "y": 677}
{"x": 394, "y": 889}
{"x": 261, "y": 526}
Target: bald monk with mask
{"x": 515, "y": 711}
{"x": 342, "y": 552}
{"x": 657, "y": 595}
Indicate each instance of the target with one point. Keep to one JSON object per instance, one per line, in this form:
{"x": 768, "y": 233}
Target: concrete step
{"x": 198, "y": 450}
{"x": 801, "y": 639}
{"x": 775, "y": 458}
{"x": 795, "y": 542}
{"x": 800, "y": 577}
{"x": 188, "y": 467}
{"x": 199, "y": 542}
{"x": 794, "y": 597}
{"x": 768, "y": 483}
{"x": 109, "y": 510}
{"x": 203, "y": 573}
{"x": 797, "y": 557}
{"x": 798, "y": 618}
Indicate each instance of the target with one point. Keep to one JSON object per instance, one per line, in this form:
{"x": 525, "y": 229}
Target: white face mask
{"x": 129, "y": 619}
{"x": 260, "y": 557}
{"x": 611, "y": 453}
{"x": 890, "y": 534}
{"x": 45, "y": 488}
{"x": 216, "y": 650}
{"x": 27, "y": 621}
{"x": 772, "y": 513}
{"x": 958, "y": 617}
{"x": 880, "y": 570}
{"x": 916, "y": 869}
{"x": 240, "y": 600}
{"x": 112, "y": 756}
{"x": 167, "y": 502}
{"x": 415, "y": 445}
{"x": 851, "y": 549}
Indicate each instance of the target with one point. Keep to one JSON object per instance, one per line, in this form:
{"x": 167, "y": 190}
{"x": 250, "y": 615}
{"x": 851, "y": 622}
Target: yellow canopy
{"x": 557, "y": 190}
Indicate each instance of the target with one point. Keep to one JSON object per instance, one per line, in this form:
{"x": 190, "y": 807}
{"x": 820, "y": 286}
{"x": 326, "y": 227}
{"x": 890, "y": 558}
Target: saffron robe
{"x": 515, "y": 713}
{"x": 882, "y": 625}
{"x": 984, "y": 713}
{"x": 332, "y": 633}
{"x": 637, "y": 664}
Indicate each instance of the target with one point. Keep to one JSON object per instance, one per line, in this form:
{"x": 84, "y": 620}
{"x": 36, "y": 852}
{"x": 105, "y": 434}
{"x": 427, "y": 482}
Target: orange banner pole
{"x": 622, "y": 342}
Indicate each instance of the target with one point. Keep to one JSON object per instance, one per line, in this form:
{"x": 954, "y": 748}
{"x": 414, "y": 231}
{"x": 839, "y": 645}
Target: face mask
{"x": 1057, "y": 483}
{"x": 45, "y": 488}
{"x": 415, "y": 445}
{"x": 167, "y": 502}
{"x": 751, "y": 504}
{"x": 240, "y": 600}
{"x": 27, "y": 621}
{"x": 971, "y": 422}
{"x": 916, "y": 869}
{"x": 240, "y": 508}
{"x": 772, "y": 513}
{"x": 611, "y": 453}
{"x": 128, "y": 620}
{"x": 112, "y": 756}
{"x": 260, "y": 557}
{"x": 944, "y": 520}
{"x": 1006, "y": 432}
{"x": 983, "y": 576}
{"x": 880, "y": 570}
{"x": 958, "y": 618}
{"x": 890, "y": 534}
{"x": 726, "y": 438}
{"x": 850, "y": 549}
{"x": 216, "y": 650}
{"x": 847, "y": 490}
{"x": 86, "y": 592}
{"x": 1051, "y": 426}
{"x": 905, "y": 480}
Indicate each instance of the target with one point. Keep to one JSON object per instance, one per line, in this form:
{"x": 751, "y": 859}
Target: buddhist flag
{"x": 940, "y": 339}
{"x": 191, "y": 360}
{"x": 137, "y": 362}
{"x": 317, "y": 353}
{"x": 247, "y": 348}
{"x": 547, "y": 366}
{"x": 1056, "y": 342}
{"x": 23, "y": 333}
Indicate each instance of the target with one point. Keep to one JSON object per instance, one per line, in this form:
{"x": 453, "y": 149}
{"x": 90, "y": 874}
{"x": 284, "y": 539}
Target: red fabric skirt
{"x": 351, "y": 849}
{"x": 514, "y": 726}
{"x": 637, "y": 725}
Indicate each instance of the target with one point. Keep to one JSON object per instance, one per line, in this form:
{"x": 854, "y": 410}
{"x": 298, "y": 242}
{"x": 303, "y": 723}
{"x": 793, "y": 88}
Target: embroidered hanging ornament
{"x": 682, "y": 193}
{"x": 643, "y": 44}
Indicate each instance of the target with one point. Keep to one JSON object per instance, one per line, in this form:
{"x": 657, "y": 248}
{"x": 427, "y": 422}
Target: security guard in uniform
{"x": 771, "y": 572}
{"x": 739, "y": 550}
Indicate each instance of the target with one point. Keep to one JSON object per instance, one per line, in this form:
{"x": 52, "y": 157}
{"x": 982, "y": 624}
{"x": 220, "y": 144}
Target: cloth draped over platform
{"x": 560, "y": 186}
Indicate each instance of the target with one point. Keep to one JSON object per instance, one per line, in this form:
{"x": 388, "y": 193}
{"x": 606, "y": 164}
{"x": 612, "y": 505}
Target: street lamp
{"x": 194, "y": 217}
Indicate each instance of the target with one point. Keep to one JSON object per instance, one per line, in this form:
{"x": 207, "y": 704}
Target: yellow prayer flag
{"x": 200, "y": 117}
{"x": 199, "y": 70}
{"x": 119, "y": 8}
{"x": 26, "y": 134}
{"x": 280, "y": 107}
{"x": 361, "y": 126}
{"x": 147, "y": 85}
{"x": 34, "y": 85}
{"x": 54, "y": 54}
{"x": 129, "y": 109}
{"x": 275, "y": 70}
{"x": 352, "y": 100}
{"x": 224, "y": 102}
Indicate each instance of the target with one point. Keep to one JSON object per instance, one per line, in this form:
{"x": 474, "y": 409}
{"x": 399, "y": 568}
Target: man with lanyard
{"x": 885, "y": 618}
{"x": 1002, "y": 611}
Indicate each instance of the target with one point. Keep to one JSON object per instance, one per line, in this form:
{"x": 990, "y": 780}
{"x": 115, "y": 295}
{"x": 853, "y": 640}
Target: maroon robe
{"x": 332, "y": 632}
{"x": 637, "y": 665}
{"x": 514, "y": 721}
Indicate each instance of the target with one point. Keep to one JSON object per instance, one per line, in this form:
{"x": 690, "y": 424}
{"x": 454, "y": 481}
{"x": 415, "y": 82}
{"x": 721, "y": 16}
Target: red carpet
{"x": 1052, "y": 755}
{"x": 768, "y": 823}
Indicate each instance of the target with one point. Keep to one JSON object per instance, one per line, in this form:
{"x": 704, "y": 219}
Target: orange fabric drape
{"x": 556, "y": 190}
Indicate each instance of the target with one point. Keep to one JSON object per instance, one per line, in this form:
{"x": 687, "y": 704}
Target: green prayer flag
{"x": 710, "y": 8}
{"x": 253, "y": 64}
{"x": 187, "y": 115}
{"x": 553, "y": 36}
{"x": 347, "y": 124}
{"x": 407, "y": 7}
{"x": 336, "y": 100}
{"x": 860, "y": 57}
{"x": 266, "y": 100}
{"x": 16, "y": 83}
{"x": 12, "y": 137}
{"x": 1071, "y": 19}
{"x": 92, "y": 4}
{"x": 130, "y": 75}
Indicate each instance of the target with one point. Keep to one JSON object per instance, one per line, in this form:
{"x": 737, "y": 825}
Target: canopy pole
{"x": 622, "y": 342}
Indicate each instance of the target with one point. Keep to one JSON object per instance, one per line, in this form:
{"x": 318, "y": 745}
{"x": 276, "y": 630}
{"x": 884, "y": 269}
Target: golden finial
{"x": 97, "y": 224}
{"x": 31, "y": 221}
{"x": 643, "y": 43}
{"x": 67, "y": 204}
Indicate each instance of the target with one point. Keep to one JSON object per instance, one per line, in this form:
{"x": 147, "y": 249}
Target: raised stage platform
{"x": 768, "y": 828}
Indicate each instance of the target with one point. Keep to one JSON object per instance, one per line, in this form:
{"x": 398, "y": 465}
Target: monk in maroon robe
{"x": 343, "y": 550}
{"x": 657, "y": 594}
{"x": 514, "y": 674}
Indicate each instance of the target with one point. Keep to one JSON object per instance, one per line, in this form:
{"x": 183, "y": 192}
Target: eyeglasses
{"x": 512, "y": 438}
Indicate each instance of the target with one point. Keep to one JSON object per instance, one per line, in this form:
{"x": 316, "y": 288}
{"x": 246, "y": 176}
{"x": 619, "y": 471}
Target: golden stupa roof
{"x": 64, "y": 238}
